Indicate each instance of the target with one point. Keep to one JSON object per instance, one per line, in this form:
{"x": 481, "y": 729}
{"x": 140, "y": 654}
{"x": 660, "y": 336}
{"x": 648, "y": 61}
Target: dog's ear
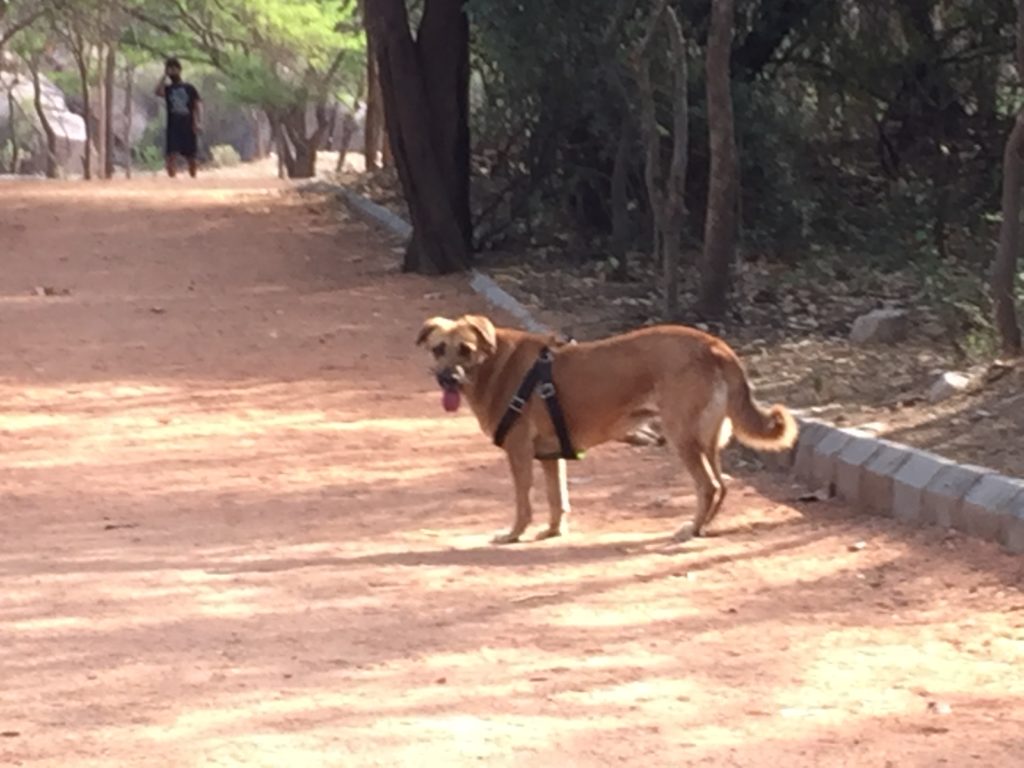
{"x": 485, "y": 332}
{"x": 431, "y": 325}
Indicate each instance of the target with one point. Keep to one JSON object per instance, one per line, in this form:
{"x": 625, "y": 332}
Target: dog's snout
{"x": 447, "y": 379}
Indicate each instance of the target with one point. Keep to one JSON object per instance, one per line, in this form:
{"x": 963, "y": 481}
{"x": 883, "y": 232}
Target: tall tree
{"x": 109, "y": 94}
{"x": 373, "y": 121}
{"x": 33, "y": 60}
{"x": 74, "y": 24}
{"x": 720, "y": 224}
{"x": 425, "y": 85}
{"x": 666, "y": 183}
{"x": 1004, "y": 269}
{"x": 287, "y": 58}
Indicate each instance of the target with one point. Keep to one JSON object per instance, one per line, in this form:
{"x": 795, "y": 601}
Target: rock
{"x": 881, "y": 326}
{"x": 646, "y": 434}
{"x": 947, "y": 385}
{"x": 939, "y": 708}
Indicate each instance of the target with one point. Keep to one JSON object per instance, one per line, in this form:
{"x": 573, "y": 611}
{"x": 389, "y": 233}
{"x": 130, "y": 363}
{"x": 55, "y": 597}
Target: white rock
{"x": 947, "y": 385}
{"x": 881, "y": 326}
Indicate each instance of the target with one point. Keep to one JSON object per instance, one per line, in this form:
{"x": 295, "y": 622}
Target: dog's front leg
{"x": 520, "y": 460}
{"x": 557, "y": 482}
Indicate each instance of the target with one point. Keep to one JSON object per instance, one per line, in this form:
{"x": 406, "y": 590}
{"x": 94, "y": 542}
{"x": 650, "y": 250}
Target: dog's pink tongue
{"x": 451, "y": 399}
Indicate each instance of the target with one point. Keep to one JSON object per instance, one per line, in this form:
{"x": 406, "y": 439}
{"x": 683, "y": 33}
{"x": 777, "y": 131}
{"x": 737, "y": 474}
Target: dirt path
{"x": 237, "y": 529}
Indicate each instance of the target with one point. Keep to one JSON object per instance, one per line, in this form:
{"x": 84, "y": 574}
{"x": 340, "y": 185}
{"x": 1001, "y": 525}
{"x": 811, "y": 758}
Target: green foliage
{"x": 277, "y": 54}
{"x": 224, "y": 156}
{"x": 149, "y": 152}
{"x": 963, "y": 304}
{"x": 875, "y": 128}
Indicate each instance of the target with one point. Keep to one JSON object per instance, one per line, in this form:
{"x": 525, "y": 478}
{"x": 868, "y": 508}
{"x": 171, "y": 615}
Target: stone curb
{"x": 871, "y": 474}
{"x": 885, "y": 478}
{"x": 479, "y": 282}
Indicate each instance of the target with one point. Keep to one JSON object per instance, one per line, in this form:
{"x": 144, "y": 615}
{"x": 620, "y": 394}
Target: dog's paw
{"x": 550, "y": 533}
{"x": 506, "y": 538}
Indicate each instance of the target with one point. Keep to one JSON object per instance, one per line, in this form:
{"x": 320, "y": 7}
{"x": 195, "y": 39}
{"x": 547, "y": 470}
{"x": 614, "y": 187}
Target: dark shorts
{"x": 181, "y": 139}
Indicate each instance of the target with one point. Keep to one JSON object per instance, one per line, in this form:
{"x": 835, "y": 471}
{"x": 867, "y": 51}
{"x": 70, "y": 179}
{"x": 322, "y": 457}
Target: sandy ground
{"x": 237, "y": 529}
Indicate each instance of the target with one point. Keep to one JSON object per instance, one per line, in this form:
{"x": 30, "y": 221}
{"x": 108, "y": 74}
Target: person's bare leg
{"x": 193, "y": 166}
{"x": 172, "y": 165}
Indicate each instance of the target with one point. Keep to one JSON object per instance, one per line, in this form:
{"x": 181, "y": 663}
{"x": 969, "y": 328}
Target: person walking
{"x": 184, "y": 118}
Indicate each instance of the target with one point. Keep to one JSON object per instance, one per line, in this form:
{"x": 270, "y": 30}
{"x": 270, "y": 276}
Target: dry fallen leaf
{"x": 939, "y": 708}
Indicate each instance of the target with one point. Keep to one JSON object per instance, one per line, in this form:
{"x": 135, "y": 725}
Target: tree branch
{"x": 21, "y": 24}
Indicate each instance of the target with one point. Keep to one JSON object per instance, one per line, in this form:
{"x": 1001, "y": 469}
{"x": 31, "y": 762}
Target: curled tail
{"x": 772, "y": 429}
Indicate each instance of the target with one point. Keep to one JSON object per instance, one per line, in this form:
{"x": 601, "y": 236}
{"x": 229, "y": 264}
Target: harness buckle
{"x": 546, "y": 390}
{"x": 517, "y": 404}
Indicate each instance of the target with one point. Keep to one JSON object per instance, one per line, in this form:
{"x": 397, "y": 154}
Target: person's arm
{"x": 161, "y": 87}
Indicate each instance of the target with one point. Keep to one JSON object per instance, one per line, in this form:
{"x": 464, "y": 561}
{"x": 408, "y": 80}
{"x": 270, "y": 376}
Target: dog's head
{"x": 457, "y": 347}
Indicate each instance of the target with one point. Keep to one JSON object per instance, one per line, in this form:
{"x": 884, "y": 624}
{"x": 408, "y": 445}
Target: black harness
{"x": 539, "y": 378}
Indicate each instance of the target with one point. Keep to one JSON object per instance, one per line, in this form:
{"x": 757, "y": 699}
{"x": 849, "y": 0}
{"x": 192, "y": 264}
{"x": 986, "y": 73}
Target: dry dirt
{"x": 237, "y": 529}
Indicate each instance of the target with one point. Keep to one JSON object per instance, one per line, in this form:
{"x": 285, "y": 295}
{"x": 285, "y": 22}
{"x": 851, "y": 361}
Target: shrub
{"x": 224, "y": 156}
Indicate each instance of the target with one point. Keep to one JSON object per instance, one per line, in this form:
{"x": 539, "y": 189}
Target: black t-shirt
{"x": 181, "y": 101}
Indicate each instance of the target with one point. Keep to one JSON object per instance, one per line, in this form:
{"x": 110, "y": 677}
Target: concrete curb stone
{"x": 812, "y": 432}
{"x": 850, "y": 467}
{"x": 985, "y": 511}
{"x": 910, "y": 481}
{"x": 944, "y": 495}
{"x": 1014, "y": 534}
{"x": 878, "y": 480}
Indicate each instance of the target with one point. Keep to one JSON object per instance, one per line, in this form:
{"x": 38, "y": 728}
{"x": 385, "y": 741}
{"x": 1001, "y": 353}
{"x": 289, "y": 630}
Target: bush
{"x": 149, "y": 152}
{"x": 224, "y": 156}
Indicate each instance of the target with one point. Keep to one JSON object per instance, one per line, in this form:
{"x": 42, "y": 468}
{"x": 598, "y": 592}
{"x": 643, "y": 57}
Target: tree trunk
{"x": 387, "y": 157}
{"x": 261, "y": 147}
{"x": 675, "y": 188}
{"x": 101, "y": 113}
{"x": 303, "y": 165}
{"x": 285, "y": 159}
{"x": 443, "y": 47}
{"x": 723, "y": 186}
{"x": 109, "y": 90}
{"x": 425, "y": 88}
{"x": 666, "y": 191}
{"x": 620, "y": 199}
{"x": 1004, "y": 269}
{"x": 373, "y": 122}
{"x": 82, "y": 60}
{"x": 129, "y": 119}
{"x": 13, "y": 126}
{"x": 348, "y": 130}
{"x": 52, "y": 168}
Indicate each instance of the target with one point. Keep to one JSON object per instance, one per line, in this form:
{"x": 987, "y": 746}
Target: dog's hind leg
{"x": 520, "y": 460}
{"x": 714, "y": 456}
{"x": 557, "y": 483}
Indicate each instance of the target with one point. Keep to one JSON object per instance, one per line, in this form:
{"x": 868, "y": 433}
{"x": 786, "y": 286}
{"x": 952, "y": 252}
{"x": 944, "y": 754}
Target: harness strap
{"x": 540, "y": 378}
{"x": 516, "y": 405}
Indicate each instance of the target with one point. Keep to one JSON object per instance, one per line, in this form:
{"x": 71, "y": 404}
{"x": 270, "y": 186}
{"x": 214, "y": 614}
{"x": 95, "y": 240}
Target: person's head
{"x": 173, "y": 69}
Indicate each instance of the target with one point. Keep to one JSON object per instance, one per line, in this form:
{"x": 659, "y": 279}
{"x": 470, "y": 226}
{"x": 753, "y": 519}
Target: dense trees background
{"x": 842, "y": 133}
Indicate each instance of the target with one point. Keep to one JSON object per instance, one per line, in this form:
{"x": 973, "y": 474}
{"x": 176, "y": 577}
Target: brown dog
{"x": 602, "y": 388}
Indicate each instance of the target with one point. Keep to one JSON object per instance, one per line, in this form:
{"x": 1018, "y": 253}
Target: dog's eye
{"x": 439, "y": 350}
{"x": 465, "y": 350}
